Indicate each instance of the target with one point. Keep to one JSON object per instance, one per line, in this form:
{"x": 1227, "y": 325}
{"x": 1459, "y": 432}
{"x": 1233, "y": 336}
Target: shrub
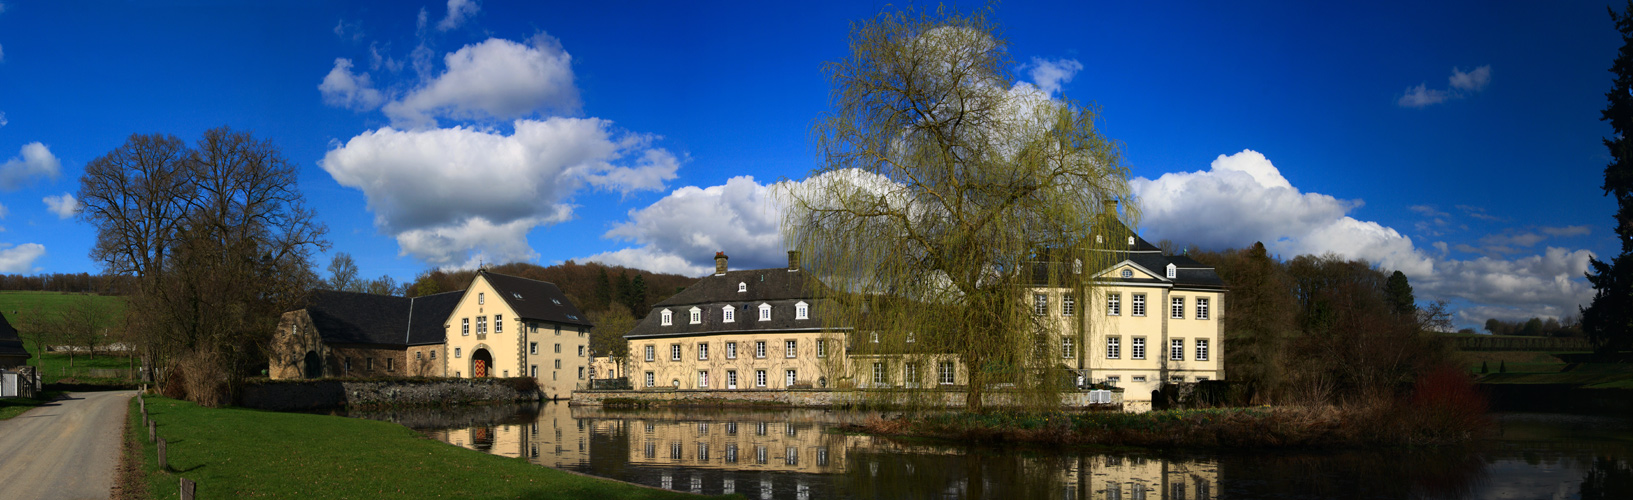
{"x": 525, "y": 385}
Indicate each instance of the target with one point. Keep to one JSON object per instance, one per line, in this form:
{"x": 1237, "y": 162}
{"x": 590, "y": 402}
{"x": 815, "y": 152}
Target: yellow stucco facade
{"x": 487, "y": 337}
{"x": 750, "y": 360}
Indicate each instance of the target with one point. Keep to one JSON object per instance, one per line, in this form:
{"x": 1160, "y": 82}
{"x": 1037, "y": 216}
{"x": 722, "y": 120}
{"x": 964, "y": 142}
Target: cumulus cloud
{"x": 1549, "y": 284}
{"x": 3, "y": 121}
{"x": 34, "y": 161}
{"x": 64, "y": 205}
{"x": 1460, "y": 85}
{"x": 1049, "y": 76}
{"x": 342, "y": 88}
{"x": 453, "y": 195}
{"x": 20, "y": 259}
{"x": 495, "y": 79}
{"x": 458, "y": 12}
{"x": 681, "y": 232}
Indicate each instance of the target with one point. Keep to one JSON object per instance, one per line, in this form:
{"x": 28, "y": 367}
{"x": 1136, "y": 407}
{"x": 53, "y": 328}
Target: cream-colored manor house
{"x": 1149, "y": 319}
{"x": 499, "y": 326}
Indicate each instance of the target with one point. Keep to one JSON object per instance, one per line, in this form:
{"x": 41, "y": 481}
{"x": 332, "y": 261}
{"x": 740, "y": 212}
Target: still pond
{"x": 792, "y": 454}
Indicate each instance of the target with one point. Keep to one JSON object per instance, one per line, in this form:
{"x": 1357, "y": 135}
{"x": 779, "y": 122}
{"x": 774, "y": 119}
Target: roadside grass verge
{"x": 234, "y": 453}
{"x": 11, "y": 407}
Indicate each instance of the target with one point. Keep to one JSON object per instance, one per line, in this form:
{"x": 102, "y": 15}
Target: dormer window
{"x": 802, "y": 311}
{"x": 1077, "y": 266}
{"x": 765, "y": 312}
{"x": 742, "y": 287}
{"x": 875, "y": 337}
{"x": 1172, "y": 270}
{"x": 557, "y": 302}
{"x": 667, "y": 317}
{"x": 1130, "y": 241}
{"x": 1099, "y": 239}
{"x": 911, "y": 338}
{"x": 729, "y": 314}
{"x": 697, "y": 315}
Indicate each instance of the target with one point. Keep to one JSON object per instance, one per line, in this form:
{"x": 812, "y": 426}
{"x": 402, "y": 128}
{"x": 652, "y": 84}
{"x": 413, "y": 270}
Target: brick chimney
{"x": 793, "y": 260}
{"x": 1111, "y": 207}
{"x": 719, "y": 263}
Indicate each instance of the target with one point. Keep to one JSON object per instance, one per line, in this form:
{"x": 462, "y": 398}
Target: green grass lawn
{"x": 18, "y": 306}
{"x": 21, "y": 308}
{"x": 11, "y": 407}
{"x": 1591, "y": 375}
{"x": 237, "y": 453}
{"x": 54, "y": 366}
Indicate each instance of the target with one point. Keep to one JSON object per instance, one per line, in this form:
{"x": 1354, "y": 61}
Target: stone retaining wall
{"x": 813, "y": 398}
{"x": 326, "y": 394}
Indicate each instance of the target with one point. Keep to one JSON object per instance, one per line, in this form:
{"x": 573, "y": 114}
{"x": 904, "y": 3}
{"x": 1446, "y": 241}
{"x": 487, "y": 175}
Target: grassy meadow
{"x": 24, "y": 308}
{"x": 239, "y": 453}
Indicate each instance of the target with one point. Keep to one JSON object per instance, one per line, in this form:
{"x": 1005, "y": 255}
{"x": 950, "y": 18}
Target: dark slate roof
{"x": 1188, "y": 272}
{"x": 536, "y": 300}
{"x": 779, "y": 287}
{"x": 10, "y": 343}
{"x": 362, "y": 318}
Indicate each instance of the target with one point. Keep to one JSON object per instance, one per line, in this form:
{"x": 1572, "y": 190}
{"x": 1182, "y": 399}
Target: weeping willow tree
{"x": 950, "y": 194}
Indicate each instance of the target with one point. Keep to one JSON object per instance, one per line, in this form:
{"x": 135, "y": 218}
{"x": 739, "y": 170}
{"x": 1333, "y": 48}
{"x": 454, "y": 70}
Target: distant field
{"x": 21, "y": 307}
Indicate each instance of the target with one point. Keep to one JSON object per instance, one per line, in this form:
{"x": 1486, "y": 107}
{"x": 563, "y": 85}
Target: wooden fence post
{"x": 187, "y": 487}
{"x": 152, "y": 432}
{"x": 163, "y": 464}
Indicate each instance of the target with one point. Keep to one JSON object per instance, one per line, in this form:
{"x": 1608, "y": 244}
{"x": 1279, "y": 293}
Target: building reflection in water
{"x": 790, "y": 454}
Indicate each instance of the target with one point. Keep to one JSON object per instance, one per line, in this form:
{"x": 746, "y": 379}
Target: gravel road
{"x": 68, "y": 449}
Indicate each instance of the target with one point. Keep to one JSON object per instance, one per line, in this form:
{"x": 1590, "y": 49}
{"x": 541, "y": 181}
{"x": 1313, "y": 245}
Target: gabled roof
{"x": 1188, "y": 273}
{"x": 780, "y": 288}
{"x": 10, "y": 343}
{"x": 536, "y": 300}
{"x": 363, "y": 318}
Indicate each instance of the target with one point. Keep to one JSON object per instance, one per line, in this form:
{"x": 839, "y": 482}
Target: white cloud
{"x": 64, "y": 205}
{"x": 342, "y": 88}
{"x": 346, "y": 30}
{"x": 1422, "y": 96}
{"x": 1546, "y": 285}
{"x": 456, "y": 194}
{"x": 2, "y": 211}
{"x": 3, "y": 121}
{"x": 1049, "y": 76}
{"x": 1461, "y": 85}
{"x": 35, "y": 160}
{"x": 681, "y": 232}
{"x": 495, "y": 79}
{"x": 1566, "y": 231}
{"x": 20, "y": 259}
{"x": 458, "y": 11}
{"x": 1473, "y": 81}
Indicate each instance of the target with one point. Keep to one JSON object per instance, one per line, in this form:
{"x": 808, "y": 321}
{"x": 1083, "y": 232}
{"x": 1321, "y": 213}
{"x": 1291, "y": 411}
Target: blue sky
{"x": 649, "y": 134}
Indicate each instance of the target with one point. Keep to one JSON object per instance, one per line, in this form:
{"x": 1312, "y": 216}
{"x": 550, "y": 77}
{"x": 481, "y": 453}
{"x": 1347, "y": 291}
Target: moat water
{"x": 793, "y": 454}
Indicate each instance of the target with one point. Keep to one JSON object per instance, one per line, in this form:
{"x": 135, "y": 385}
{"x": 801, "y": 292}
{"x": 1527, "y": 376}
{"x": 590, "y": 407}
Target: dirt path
{"x": 68, "y": 449}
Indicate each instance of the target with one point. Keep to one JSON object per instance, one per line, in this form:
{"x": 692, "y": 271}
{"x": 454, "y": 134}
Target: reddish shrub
{"x": 1446, "y": 407}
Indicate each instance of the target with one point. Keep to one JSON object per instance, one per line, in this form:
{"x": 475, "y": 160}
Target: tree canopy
{"x": 944, "y": 183}
{"x": 1608, "y": 320}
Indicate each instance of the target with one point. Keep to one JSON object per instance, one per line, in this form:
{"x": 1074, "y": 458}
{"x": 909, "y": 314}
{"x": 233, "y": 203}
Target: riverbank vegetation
{"x": 236, "y": 453}
{"x": 1443, "y": 408}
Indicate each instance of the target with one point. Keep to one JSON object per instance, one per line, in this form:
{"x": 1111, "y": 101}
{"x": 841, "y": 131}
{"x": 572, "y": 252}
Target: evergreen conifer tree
{"x": 1608, "y": 320}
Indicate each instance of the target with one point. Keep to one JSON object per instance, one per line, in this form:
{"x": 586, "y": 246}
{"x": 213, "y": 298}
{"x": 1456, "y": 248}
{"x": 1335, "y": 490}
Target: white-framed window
{"x": 802, "y": 310}
{"x": 674, "y": 352}
{"x": 1201, "y": 308}
{"x": 649, "y": 381}
{"x": 1068, "y": 305}
{"x": 433, "y": 355}
{"x": 1068, "y": 349}
{"x": 1130, "y": 241}
{"x": 792, "y": 377}
{"x": 731, "y": 350}
{"x": 666, "y": 317}
{"x": 1201, "y": 349}
{"x": 580, "y": 351}
{"x": 874, "y": 337}
{"x": 481, "y": 325}
{"x": 945, "y": 372}
{"x": 1128, "y": 273}
{"x": 878, "y": 373}
{"x": 702, "y": 351}
{"x": 759, "y": 378}
{"x": 535, "y": 371}
{"x": 822, "y": 348}
{"x": 1040, "y": 304}
{"x": 1172, "y": 271}
{"x": 912, "y": 337}
{"x": 697, "y": 315}
{"x": 742, "y": 287}
{"x": 731, "y": 379}
{"x": 558, "y": 348}
{"x": 649, "y": 353}
{"x": 910, "y": 374}
{"x": 1139, "y": 378}
{"x": 1176, "y": 350}
{"x": 765, "y": 312}
{"x": 481, "y": 298}
{"x": 581, "y": 373}
{"x": 759, "y": 348}
{"x": 702, "y": 379}
{"x": 498, "y": 323}
{"x": 1136, "y": 305}
{"x": 1114, "y": 347}
{"x": 1136, "y": 347}
{"x": 790, "y": 348}
{"x": 1176, "y": 379}
{"x": 728, "y": 314}
{"x": 456, "y": 352}
{"x": 1176, "y": 308}
{"x": 464, "y": 326}
{"x": 533, "y": 348}
{"x": 1114, "y": 304}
